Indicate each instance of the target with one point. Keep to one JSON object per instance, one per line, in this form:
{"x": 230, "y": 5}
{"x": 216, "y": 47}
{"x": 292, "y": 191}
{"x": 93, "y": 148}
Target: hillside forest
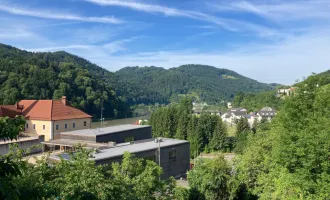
{"x": 149, "y": 85}
{"x": 289, "y": 159}
{"x": 26, "y": 75}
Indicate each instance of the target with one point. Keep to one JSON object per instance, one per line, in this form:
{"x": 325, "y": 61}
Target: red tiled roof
{"x": 50, "y": 110}
{"x": 61, "y": 111}
{"x": 9, "y": 111}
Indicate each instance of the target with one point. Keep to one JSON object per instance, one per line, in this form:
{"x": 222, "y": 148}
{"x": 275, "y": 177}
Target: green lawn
{"x": 231, "y": 130}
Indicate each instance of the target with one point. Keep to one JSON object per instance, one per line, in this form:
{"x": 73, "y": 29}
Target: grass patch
{"x": 224, "y": 76}
{"x": 231, "y": 130}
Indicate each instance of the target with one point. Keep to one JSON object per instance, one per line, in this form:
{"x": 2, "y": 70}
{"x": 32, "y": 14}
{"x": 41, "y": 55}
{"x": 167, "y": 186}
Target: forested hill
{"x": 210, "y": 84}
{"x": 26, "y": 75}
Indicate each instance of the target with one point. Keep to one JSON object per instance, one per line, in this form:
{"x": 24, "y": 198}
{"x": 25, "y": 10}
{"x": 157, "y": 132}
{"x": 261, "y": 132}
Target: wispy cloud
{"x": 279, "y": 10}
{"x": 228, "y": 24}
{"x": 53, "y": 15}
{"x": 106, "y": 49}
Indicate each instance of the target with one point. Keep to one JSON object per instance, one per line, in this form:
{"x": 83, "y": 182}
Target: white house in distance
{"x": 233, "y": 114}
{"x": 266, "y": 112}
{"x": 237, "y": 113}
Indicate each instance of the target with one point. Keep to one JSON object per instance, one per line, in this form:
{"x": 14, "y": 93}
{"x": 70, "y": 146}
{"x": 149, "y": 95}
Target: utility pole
{"x": 101, "y": 114}
{"x": 159, "y": 153}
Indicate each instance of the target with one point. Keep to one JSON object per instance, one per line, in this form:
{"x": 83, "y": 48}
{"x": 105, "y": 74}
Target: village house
{"x": 286, "y": 92}
{"x": 264, "y": 113}
{"x": 48, "y": 117}
{"x": 234, "y": 114}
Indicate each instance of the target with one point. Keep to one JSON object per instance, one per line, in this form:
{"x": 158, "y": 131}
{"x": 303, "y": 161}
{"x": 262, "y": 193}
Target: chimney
{"x": 63, "y": 100}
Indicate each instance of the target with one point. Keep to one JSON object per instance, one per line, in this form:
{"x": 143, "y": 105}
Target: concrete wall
{"x": 39, "y": 124}
{"x": 79, "y": 124}
{"x": 24, "y": 143}
{"x": 119, "y": 137}
{"x": 171, "y": 167}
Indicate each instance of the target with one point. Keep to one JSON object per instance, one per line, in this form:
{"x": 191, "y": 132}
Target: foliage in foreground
{"x": 209, "y": 179}
{"x": 81, "y": 179}
{"x": 292, "y": 159}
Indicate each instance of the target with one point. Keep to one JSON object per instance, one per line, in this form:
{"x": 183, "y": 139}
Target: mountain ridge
{"x": 211, "y": 83}
{"x": 41, "y": 75}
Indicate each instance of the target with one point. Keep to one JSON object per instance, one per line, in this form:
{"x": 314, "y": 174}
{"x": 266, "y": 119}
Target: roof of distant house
{"x": 267, "y": 109}
{"x": 237, "y": 109}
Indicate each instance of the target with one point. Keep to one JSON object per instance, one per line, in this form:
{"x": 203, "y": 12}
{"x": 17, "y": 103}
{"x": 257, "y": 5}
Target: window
{"x": 43, "y": 127}
{"x": 57, "y": 126}
{"x": 65, "y": 126}
{"x": 74, "y": 125}
{"x": 172, "y": 155}
{"x": 85, "y": 123}
{"x": 34, "y": 126}
{"x": 129, "y": 139}
{"x": 27, "y": 126}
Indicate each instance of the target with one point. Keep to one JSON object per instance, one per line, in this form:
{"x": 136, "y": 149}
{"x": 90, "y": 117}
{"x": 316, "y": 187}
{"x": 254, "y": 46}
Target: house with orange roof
{"x": 48, "y": 117}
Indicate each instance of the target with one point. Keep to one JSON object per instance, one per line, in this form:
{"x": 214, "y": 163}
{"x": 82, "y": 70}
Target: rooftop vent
{"x": 157, "y": 140}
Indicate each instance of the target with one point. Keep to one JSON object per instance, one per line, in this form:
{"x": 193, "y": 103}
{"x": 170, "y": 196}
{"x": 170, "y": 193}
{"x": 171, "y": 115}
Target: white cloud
{"x": 52, "y": 15}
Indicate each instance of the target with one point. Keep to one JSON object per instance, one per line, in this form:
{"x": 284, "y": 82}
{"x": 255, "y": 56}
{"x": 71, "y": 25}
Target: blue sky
{"x": 270, "y": 41}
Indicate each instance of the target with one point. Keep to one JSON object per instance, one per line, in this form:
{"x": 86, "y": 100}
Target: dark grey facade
{"x": 117, "y": 134}
{"x": 175, "y": 166}
{"x": 120, "y": 137}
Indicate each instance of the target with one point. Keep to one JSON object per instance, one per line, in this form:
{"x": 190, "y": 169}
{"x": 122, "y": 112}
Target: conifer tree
{"x": 218, "y": 141}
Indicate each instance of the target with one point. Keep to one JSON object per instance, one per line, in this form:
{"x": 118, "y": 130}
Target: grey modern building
{"x": 117, "y": 134}
{"x": 173, "y": 154}
{"x": 112, "y": 142}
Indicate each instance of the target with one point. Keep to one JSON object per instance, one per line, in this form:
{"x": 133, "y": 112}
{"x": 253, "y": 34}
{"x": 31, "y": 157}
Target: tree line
{"x": 205, "y": 132}
{"x": 254, "y": 102}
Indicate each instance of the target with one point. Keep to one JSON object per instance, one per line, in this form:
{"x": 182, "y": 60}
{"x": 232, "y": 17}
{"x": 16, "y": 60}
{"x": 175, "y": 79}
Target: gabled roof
{"x": 9, "y": 111}
{"x": 50, "y": 110}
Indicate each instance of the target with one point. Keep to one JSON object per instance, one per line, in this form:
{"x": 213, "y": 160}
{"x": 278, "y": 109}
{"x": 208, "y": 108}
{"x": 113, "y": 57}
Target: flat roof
{"x": 136, "y": 147}
{"x": 105, "y": 130}
{"x": 72, "y": 143}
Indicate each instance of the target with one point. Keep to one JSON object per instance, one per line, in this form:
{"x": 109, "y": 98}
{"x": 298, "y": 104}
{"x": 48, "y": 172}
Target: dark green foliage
{"x": 209, "y": 179}
{"x": 264, "y": 125}
{"x": 26, "y": 75}
{"x": 290, "y": 159}
{"x": 254, "y": 102}
{"x": 242, "y": 126}
{"x": 242, "y": 131}
{"x": 133, "y": 179}
{"x": 149, "y": 85}
{"x": 205, "y": 132}
{"x": 10, "y": 128}
{"x": 218, "y": 140}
